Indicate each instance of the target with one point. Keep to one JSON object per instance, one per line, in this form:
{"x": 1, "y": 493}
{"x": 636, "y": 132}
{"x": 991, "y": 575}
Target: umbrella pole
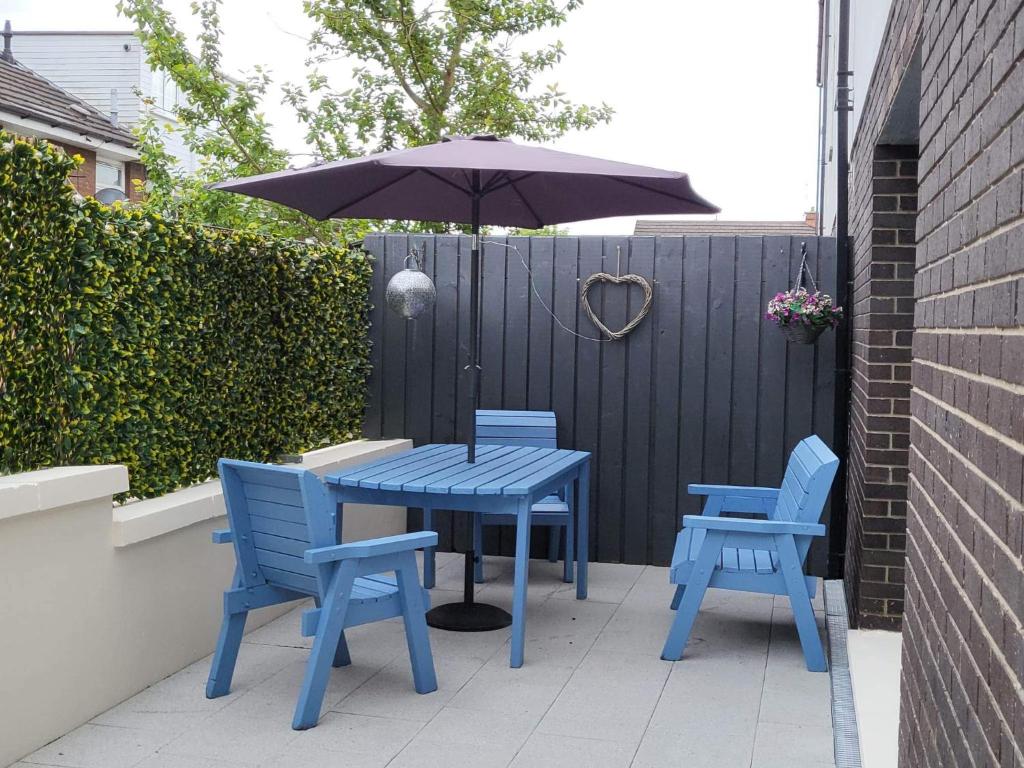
{"x": 474, "y": 320}
{"x": 469, "y": 615}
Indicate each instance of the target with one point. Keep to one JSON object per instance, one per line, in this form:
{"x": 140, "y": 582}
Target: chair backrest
{"x": 536, "y": 428}
{"x": 805, "y": 486}
{"x": 276, "y": 513}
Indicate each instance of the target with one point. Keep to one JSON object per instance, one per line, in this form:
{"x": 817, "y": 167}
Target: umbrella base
{"x": 468, "y": 617}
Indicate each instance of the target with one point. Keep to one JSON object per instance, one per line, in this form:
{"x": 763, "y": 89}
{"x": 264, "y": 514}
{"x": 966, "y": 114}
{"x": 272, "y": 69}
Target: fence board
{"x": 704, "y": 390}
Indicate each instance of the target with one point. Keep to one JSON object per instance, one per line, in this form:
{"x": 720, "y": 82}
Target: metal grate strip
{"x": 844, "y": 714}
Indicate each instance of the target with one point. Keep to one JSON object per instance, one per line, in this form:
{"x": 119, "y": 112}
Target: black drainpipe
{"x": 844, "y": 105}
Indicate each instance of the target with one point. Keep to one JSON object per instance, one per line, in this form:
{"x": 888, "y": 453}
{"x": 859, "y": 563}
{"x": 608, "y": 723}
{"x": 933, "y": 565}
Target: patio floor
{"x": 592, "y": 692}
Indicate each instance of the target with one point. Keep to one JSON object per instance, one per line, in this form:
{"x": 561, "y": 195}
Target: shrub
{"x": 128, "y": 338}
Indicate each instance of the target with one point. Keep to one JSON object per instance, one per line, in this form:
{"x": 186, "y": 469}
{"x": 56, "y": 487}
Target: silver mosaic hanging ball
{"x": 410, "y": 292}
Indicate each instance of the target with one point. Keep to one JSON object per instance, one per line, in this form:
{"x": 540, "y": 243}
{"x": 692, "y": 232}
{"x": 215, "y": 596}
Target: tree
{"x": 421, "y": 73}
{"x": 222, "y": 124}
{"x": 445, "y": 69}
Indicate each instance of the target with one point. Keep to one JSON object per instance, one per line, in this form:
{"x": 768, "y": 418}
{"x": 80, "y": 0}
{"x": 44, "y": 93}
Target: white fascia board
{"x": 27, "y": 127}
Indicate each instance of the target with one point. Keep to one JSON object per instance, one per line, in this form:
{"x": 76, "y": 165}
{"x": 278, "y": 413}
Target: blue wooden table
{"x": 508, "y": 479}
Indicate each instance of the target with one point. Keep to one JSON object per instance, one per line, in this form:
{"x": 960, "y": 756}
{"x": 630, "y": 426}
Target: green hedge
{"x": 128, "y": 338}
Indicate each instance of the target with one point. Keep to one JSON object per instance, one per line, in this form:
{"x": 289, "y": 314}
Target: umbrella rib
{"x": 509, "y": 181}
{"x": 646, "y": 188}
{"x": 540, "y": 222}
{"x": 371, "y": 193}
{"x": 449, "y": 182}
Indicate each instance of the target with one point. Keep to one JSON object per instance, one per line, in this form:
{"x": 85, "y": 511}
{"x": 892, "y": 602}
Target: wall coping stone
{"x": 44, "y": 489}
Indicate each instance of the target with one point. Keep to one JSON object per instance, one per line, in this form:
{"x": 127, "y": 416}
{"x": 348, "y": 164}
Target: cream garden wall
{"x": 98, "y": 602}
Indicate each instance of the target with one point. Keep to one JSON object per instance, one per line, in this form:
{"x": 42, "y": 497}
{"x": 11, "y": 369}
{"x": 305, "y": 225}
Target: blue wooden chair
{"x": 532, "y": 428}
{"x": 284, "y": 531}
{"x": 755, "y": 555}
{"x": 537, "y": 429}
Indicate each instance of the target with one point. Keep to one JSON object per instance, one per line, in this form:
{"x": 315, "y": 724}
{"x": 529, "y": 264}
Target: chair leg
{"x": 570, "y": 536}
{"x": 478, "y": 549}
{"x": 803, "y": 612}
{"x": 693, "y": 595}
{"x": 341, "y": 655}
{"x": 677, "y": 596}
{"x": 325, "y": 646}
{"x": 416, "y": 636}
{"x": 429, "y": 571}
{"x": 228, "y": 643}
{"x": 554, "y": 542}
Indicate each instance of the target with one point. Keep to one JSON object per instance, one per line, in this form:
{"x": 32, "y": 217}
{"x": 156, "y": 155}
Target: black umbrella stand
{"x": 469, "y": 615}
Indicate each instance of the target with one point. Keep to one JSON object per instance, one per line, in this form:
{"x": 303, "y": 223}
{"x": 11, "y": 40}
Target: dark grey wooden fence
{"x": 704, "y": 390}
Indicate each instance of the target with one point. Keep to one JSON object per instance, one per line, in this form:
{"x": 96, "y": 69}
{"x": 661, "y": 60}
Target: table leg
{"x": 429, "y": 568}
{"x": 570, "y": 534}
{"x": 521, "y": 575}
{"x": 582, "y": 527}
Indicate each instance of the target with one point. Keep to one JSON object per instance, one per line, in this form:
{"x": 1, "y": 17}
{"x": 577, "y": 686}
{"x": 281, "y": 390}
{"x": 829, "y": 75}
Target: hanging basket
{"x": 788, "y": 310}
{"x": 799, "y": 333}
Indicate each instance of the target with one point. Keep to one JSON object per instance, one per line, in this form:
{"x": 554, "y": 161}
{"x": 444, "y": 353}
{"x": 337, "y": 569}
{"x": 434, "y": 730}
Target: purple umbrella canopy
{"x": 516, "y": 185}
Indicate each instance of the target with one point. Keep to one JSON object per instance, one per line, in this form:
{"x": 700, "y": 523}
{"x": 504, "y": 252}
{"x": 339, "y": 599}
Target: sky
{"x": 724, "y": 91}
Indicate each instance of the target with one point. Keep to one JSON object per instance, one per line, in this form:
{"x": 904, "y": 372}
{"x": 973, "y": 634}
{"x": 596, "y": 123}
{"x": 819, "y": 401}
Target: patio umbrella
{"x": 476, "y": 180}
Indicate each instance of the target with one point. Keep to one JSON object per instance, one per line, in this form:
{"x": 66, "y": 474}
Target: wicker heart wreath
{"x": 604, "y": 277}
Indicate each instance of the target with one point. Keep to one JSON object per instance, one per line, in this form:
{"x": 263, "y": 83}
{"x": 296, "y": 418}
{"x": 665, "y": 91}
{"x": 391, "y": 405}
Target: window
{"x": 164, "y": 90}
{"x": 109, "y": 173}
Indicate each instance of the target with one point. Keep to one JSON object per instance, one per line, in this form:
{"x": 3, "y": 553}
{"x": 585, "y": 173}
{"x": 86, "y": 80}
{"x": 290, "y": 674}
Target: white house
{"x": 110, "y": 71}
{"x": 867, "y": 27}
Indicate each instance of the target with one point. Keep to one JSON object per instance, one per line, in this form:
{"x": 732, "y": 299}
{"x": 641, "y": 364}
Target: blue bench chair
{"x": 755, "y": 555}
{"x": 537, "y": 429}
{"x": 283, "y": 529}
{"x": 531, "y": 428}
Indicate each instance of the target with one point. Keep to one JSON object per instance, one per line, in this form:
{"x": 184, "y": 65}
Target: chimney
{"x": 7, "y": 55}
{"x": 811, "y": 219}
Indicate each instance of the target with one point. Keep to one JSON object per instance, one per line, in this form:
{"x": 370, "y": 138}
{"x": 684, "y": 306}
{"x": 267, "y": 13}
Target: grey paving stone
{"x": 545, "y": 750}
{"x": 779, "y": 745}
{"x": 99, "y": 746}
{"x": 691, "y": 744}
{"x": 611, "y": 696}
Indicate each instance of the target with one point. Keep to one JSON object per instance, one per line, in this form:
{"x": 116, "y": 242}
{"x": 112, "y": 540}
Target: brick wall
{"x": 882, "y": 316}
{"x": 83, "y": 178}
{"x": 883, "y": 204}
{"x": 963, "y": 642}
{"x": 134, "y": 172}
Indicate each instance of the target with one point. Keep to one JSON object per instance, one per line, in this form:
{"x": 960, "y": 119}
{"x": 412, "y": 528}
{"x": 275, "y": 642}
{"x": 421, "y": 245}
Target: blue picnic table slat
{"x": 397, "y": 479}
{"x": 353, "y": 476}
{"x": 449, "y": 475}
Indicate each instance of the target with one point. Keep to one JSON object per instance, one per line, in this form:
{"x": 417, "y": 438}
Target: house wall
{"x": 87, "y": 65}
{"x": 867, "y": 27}
{"x": 100, "y": 601}
{"x": 963, "y": 662}
{"x": 90, "y": 65}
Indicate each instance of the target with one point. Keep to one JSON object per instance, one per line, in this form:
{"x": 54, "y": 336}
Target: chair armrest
{"x": 371, "y": 547}
{"x": 222, "y": 536}
{"x": 748, "y": 491}
{"x": 740, "y": 525}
